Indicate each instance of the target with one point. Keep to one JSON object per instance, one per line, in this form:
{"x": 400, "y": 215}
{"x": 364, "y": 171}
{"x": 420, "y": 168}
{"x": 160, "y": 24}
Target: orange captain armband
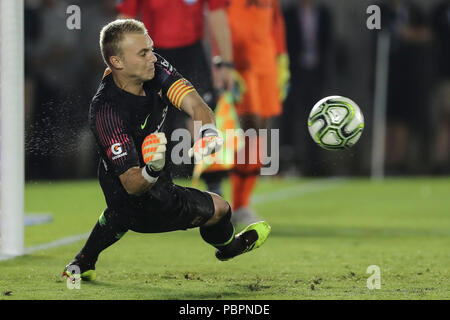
{"x": 178, "y": 90}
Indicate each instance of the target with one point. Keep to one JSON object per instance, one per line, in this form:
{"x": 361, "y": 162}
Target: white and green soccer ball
{"x": 336, "y": 123}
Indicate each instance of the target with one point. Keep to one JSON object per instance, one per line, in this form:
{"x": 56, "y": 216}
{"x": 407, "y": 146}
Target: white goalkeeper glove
{"x": 209, "y": 143}
{"x": 154, "y": 154}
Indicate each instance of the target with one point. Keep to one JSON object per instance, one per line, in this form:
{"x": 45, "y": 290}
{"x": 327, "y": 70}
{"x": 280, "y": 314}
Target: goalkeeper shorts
{"x": 168, "y": 207}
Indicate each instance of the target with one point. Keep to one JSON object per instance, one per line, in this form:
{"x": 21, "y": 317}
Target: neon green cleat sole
{"x": 89, "y": 275}
{"x": 262, "y": 228}
{"x": 253, "y": 236}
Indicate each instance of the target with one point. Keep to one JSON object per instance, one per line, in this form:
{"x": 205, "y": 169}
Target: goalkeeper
{"x": 127, "y": 117}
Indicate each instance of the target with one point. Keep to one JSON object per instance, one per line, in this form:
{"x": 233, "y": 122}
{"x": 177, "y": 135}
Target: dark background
{"x": 64, "y": 67}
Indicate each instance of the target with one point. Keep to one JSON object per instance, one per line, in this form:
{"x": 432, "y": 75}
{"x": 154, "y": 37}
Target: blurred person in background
{"x": 409, "y": 78}
{"x": 441, "y": 94}
{"x": 31, "y": 32}
{"x": 259, "y": 51}
{"x": 309, "y": 42}
{"x": 177, "y": 28}
{"x": 56, "y": 120}
{"x": 94, "y": 17}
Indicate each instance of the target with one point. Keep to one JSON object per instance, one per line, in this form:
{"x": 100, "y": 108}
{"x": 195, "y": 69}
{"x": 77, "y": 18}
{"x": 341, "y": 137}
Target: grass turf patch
{"x": 324, "y": 236}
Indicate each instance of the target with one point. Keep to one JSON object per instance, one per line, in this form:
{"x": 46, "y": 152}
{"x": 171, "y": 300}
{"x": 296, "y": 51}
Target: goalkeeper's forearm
{"x": 197, "y": 109}
{"x": 135, "y": 181}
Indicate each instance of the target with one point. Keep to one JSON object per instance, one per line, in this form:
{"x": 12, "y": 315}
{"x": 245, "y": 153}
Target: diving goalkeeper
{"x": 127, "y": 117}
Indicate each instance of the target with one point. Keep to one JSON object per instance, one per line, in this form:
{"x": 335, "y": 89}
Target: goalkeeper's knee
{"x": 222, "y": 211}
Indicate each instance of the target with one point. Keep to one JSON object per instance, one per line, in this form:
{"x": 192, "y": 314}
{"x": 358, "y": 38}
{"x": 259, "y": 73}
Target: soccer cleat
{"x": 86, "y": 271}
{"x": 250, "y": 238}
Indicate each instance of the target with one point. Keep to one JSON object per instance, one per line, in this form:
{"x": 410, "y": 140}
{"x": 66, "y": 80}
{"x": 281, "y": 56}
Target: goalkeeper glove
{"x": 283, "y": 75}
{"x": 154, "y": 154}
{"x": 209, "y": 142}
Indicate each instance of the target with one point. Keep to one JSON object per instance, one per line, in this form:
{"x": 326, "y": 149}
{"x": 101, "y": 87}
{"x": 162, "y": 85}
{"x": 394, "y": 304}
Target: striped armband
{"x": 178, "y": 90}
{"x": 150, "y": 175}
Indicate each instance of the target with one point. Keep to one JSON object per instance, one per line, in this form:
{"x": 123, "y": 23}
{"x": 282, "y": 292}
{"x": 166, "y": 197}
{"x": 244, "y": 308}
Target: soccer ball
{"x": 336, "y": 123}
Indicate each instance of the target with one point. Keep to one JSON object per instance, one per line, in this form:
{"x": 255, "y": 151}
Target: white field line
{"x": 281, "y": 194}
{"x": 297, "y": 190}
{"x": 49, "y": 245}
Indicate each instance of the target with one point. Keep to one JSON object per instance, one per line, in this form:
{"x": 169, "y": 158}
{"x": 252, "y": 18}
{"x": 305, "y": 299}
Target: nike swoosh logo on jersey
{"x": 145, "y": 123}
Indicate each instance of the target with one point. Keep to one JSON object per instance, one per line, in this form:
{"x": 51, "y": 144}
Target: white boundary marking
{"x": 285, "y": 193}
{"x": 49, "y": 245}
{"x": 296, "y": 190}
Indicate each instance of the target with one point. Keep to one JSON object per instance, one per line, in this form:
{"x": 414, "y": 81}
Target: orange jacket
{"x": 257, "y": 32}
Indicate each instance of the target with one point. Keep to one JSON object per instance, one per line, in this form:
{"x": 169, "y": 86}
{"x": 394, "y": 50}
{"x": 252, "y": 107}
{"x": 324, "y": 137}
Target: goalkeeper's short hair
{"x": 112, "y": 34}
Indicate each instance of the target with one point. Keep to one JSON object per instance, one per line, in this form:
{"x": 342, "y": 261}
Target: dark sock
{"x": 108, "y": 230}
{"x": 220, "y": 235}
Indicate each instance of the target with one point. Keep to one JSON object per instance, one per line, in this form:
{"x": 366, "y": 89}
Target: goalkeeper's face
{"x": 138, "y": 59}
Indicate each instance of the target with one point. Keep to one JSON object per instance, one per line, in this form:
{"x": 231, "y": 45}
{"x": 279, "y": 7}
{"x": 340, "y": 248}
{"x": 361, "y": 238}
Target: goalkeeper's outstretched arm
{"x": 197, "y": 109}
{"x": 133, "y": 181}
{"x": 209, "y": 141}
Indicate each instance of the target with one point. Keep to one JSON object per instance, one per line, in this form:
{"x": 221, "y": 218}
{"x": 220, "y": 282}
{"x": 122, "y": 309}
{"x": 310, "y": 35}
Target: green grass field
{"x": 325, "y": 233}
